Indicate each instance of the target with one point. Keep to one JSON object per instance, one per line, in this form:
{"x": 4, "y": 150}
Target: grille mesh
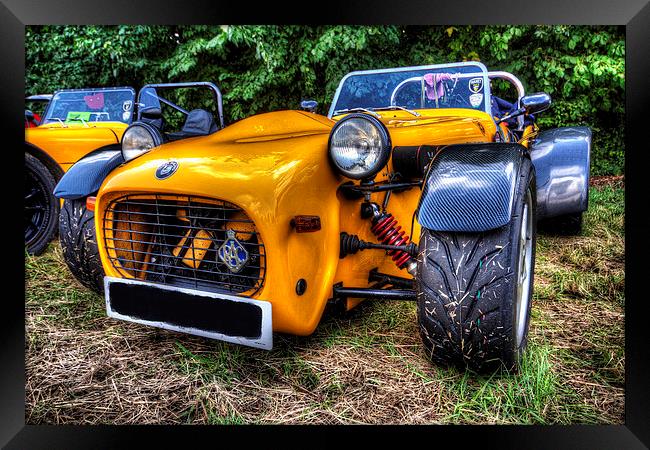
{"x": 175, "y": 240}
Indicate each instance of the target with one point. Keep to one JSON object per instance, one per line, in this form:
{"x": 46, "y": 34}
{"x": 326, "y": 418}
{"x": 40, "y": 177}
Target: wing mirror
{"x": 309, "y": 105}
{"x": 530, "y": 104}
{"x": 536, "y": 103}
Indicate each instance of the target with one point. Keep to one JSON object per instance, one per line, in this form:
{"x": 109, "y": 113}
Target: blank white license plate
{"x": 229, "y": 318}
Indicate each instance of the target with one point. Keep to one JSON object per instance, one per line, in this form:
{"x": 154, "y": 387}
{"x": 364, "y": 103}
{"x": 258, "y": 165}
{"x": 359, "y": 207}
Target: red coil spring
{"x": 388, "y": 232}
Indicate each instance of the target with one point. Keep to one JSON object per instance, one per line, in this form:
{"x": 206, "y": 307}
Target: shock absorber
{"x": 387, "y": 230}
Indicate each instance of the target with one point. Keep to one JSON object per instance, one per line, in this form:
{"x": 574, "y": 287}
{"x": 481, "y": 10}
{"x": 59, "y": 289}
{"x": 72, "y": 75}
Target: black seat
{"x": 199, "y": 122}
{"x": 153, "y": 116}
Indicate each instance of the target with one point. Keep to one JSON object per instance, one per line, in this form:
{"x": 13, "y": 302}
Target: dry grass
{"x": 364, "y": 367}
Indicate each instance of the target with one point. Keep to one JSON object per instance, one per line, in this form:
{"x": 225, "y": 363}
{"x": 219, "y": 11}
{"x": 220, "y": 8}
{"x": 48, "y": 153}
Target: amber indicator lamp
{"x": 305, "y": 224}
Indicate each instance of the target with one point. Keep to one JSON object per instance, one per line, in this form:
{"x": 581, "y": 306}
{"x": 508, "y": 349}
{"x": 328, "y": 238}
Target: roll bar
{"x": 213, "y": 87}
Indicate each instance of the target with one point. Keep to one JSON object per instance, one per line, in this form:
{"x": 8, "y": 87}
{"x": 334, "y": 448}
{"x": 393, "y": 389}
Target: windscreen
{"x": 449, "y": 86}
{"x": 92, "y": 105}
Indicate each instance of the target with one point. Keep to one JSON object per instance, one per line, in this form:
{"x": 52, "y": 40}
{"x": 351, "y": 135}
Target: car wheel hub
{"x": 524, "y": 267}
{"x": 35, "y": 207}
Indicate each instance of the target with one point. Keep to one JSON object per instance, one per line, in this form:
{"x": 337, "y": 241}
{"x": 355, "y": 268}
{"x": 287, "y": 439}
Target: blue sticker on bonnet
{"x": 166, "y": 170}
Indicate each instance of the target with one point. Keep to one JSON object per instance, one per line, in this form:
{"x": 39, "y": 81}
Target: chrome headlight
{"x": 139, "y": 138}
{"x": 359, "y": 146}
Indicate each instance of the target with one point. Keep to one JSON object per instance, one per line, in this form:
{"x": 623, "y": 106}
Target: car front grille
{"x": 192, "y": 242}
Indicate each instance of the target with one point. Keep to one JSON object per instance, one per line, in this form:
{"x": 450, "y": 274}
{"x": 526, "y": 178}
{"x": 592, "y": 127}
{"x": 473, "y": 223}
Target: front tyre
{"x": 474, "y": 289}
{"x": 40, "y": 208}
{"x": 77, "y": 236}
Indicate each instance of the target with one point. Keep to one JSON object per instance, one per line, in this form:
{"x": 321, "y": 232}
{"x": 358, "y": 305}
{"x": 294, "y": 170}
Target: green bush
{"x": 266, "y": 68}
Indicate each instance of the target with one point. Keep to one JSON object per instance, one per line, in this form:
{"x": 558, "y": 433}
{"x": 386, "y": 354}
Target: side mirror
{"x": 29, "y": 115}
{"x": 309, "y": 105}
{"x": 530, "y": 104}
{"x": 536, "y": 103}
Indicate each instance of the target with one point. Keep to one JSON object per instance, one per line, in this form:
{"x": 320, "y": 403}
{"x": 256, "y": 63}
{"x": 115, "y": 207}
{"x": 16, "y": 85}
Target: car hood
{"x": 66, "y": 145}
{"x": 257, "y": 159}
{"x": 103, "y": 131}
{"x": 437, "y": 126}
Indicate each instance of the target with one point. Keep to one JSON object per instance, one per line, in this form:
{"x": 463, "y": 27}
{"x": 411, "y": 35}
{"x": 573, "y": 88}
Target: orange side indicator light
{"x": 90, "y": 203}
{"x": 305, "y": 224}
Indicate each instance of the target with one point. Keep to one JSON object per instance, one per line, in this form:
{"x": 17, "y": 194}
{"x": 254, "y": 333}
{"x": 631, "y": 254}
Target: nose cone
{"x": 274, "y": 167}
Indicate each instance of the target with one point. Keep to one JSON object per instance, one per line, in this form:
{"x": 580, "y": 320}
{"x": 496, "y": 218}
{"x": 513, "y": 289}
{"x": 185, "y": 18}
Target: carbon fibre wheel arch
{"x": 87, "y": 174}
{"x": 470, "y": 187}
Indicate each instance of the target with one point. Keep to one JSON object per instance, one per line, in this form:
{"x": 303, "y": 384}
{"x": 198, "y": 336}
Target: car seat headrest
{"x": 199, "y": 122}
{"x": 152, "y": 115}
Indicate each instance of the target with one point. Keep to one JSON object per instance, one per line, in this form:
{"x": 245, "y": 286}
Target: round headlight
{"x": 359, "y": 146}
{"x": 139, "y": 138}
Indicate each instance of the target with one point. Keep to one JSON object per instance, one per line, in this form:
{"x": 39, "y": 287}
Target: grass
{"x": 366, "y": 366}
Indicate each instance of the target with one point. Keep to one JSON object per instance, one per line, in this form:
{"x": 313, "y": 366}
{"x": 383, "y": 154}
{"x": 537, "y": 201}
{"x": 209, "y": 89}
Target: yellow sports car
{"x": 75, "y": 123}
{"x": 418, "y": 185}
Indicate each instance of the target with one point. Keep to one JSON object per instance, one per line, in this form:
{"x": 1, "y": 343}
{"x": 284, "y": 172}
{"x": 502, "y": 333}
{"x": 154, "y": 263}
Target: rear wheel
{"x": 77, "y": 236}
{"x": 40, "y": 208}
{"x": 474, "y": 289}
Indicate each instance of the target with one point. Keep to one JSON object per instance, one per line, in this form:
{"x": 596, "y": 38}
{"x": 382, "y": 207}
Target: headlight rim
{"x": 384, "y": 157}
{"x": 154, "y": 132}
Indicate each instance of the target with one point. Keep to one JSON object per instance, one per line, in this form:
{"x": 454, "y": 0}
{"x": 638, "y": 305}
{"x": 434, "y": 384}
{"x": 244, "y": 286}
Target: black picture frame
{"x": 634, "y": 14}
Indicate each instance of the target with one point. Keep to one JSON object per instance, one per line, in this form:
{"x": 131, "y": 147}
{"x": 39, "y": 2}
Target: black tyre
{"x": 474, "y": 289}
{"x": 77, "y": 236}
{"x": 41, "y": 208}
{"x": 567, "y": 225}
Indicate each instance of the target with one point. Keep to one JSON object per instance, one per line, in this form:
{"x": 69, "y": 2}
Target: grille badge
{"x": 233, "y": 253}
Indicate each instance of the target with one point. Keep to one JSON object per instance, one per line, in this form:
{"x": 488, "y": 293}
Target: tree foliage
{"x": 266, "y": 68}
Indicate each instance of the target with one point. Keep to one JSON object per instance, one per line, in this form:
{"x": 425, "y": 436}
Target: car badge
{"x": 476, "y": 85}
{"x": 166, "y": 170}
{"x": 475, "y": 100}
{"x": 232, "y": 253}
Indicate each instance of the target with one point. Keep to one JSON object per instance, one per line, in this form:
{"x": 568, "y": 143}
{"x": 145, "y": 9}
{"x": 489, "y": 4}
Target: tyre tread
{"x": 468, "y": 321}
{"x": 79, "y": 245}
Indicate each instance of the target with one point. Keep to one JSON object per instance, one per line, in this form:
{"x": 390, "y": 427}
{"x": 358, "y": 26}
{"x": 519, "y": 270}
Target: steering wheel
{"x": 439, "y": 85}
{"x": 99, "y": 115}
{"x": 403, "y": 83}
{"x": 448, "y": 92}
{"x": 452, "y": 90}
